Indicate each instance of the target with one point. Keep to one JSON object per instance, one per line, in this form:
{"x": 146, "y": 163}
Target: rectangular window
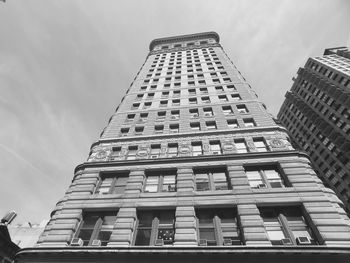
{"x": 241, "y": 146}
{"x": 163, "y": 103}
{"x": 132, "y": 150}
{"x": 135, "y": 106}
{"x": 218, "y": 227}
{"x": 227, "y": 110}
{"x": 160, "y": 181}
{"x": 242, "y": 109}
{"x": 138, "y": 130}
{"x": 96, "y": 226}
{"x": 155, "y": 150}
{"x": 208, "y": 112}
{"x": 147, "y": 105}
{"x": 192, "y": 100}
{"x": 174, "y": 128}
{"x": 172, "y": 150}
{"x": 161, "y": 115}
{"x": 215, "y": 147}
{"x": 205, "y": 99}
{"x": 155, "y": 228}
{"x": 287, "y": 226}
{"x": 249, "y": 123}
{"x": 176, "y": 102}
{"x": 232, "y": 124}
{"x": 211, "y": 125}
{"x": 236, "y": 97}
{"x": 143, "y": 117}
{"x": 124, "y": 132}
{"x": 222, "y": 98}
{"x": 175, "y": 115}
{"x": 197, "y": 148}
{"x": 260, "y": 144}
{"x": 130, "y": 117}
{"x": 158, "y": 129}
{"x": 112, "y": 183}
{"x": 194, "y": 113}
{"x": 211, "y": 179}
{"x": 264, "y": 176}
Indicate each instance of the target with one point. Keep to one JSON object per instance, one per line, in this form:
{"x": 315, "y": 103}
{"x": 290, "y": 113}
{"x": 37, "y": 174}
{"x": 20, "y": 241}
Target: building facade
{"x": 192, "y": 167}
{"x": 316, "y": 113}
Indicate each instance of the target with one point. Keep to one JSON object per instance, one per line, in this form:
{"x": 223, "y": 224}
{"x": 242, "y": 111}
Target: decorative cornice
{"x": 164, "y": 40}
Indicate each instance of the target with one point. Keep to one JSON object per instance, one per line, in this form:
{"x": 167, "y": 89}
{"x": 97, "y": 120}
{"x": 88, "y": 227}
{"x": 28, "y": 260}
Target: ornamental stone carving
{"x": 277, "y": 143}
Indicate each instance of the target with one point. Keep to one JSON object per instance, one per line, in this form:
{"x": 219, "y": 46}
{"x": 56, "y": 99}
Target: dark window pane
{"x": 143, "y": 237}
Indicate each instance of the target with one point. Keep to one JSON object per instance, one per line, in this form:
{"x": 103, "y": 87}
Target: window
{"x": 172, "y": 150}
{"x": 232, "y": 124}
{"x": 217, "y": 227}
{"x": 248, "y": 123}
{"x": 197, "y": 148}
{"x": 135, "y": 106}
{"x": 174, "y": 128}
{"x": 175, "y": 115}
{"x": 96, "y": 226}
{"x": 211, "y": 125}
{"x": 242, "y": 109}
{"x": 219, "y": 89}
{"x": 241, "y": 146}
{"x": 130, "y": 117}
{"x": 124, "y": 132}
{"x": 192, "y": 92}
{"x": 208, "y": 112}
{"x": 287, "y": 226}
{"x": 211, "y": 179}
{"x": 222, "y": 98}
{"x": 203, "y": 90}
{"x": 161, "y": 115}
{"x": 264, "y": 177}
{"x": 115, "y": 153}
{"x": 155, "y": 228}
{"x": 155, "y": 150}
{"x": 112, "y": 183}
{"x": 138, "y": 130}
{"x": 160, "y": 181}
{"x": 260, "y": 144}
{"x": 227, "y": 110}
{"x": 158, "y": 129}
{"x": 176, "y": 102}
{"x": 194, "y": 113}
{"x": 143, "y": 117}
{"x": 236, "y": 97}
{"x": 192, "y": 100}
{"x": 163, "y": 103}
{"x": 205, "y": 99}
{"x": 132, "y": 153}
{"x": 215, "y": 147}
{"x": 147, "y": 105}
{"x": 195, "y": 126}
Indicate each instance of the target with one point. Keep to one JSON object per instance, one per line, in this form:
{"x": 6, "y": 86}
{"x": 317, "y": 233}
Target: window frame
{"x": 210, "y": 171}
{"x": 265, "y": 180}
{"x": 160, "y": 174}
{"x": 114, "y": 176}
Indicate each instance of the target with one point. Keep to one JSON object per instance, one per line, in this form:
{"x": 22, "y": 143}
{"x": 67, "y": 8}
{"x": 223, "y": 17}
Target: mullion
{"x": 160, "y": 183}
{"x": 211, "y": 180}
{"x": 96, "y": 230}
{"x": 218, "y": 232}
{"x": 154, "y": 231}
{"x": 111, "y": 189}
{"x": 285, "y": 228}
{"x": 264, "y": 178}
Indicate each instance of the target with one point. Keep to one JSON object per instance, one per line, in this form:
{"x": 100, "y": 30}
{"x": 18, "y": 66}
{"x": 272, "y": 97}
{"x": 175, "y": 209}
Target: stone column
{"x": 185, "y": 226}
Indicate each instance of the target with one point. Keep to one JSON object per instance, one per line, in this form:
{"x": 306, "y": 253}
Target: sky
{"x": 65, "y": 65}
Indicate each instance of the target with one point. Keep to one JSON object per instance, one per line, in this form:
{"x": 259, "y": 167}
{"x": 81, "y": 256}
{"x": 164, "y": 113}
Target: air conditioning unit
{"x": 286, "y": 241}
{"x": 77, "y": 242}
{"x": 173, "y": 117}
{"x": 303, "y": 241}
{"x": 203, "y": 242}
{"x": 154, "y": 156}
{"x": 227, "y": 242}
{"x": 276, "y": 184}
{"x": 207, "y": 114}
{"x": 159, "y": 242}
{"x": 96, "y": 243}
{"x": 216, "y": 152}
{"x": 171, "y": 188}
{"x": 260, "y": 186}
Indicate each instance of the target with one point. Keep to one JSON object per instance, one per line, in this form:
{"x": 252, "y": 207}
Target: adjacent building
{"x": 316, "y": 113}
{"x": 191, "y": 167}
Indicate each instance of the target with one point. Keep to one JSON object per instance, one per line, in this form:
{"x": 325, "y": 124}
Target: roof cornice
{"x": 189, "y": 37}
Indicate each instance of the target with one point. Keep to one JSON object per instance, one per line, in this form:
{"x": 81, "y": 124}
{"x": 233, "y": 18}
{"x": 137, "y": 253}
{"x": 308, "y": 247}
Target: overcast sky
{"x": 64, "y": 66}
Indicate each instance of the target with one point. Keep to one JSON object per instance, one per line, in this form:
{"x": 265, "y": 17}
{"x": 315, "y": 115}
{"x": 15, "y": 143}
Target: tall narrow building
{"x": 316, "y": 113}
{"x": 191, "y": 167}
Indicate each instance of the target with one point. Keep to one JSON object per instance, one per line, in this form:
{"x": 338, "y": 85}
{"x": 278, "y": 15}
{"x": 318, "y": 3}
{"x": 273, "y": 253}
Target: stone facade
{"x": 212, "y": 121}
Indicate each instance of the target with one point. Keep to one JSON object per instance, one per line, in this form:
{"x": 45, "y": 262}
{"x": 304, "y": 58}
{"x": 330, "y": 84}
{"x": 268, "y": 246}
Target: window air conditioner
{"x": 276, "y": 184}
{"x": 96, "y": 243}
{"x": 159, "y": 242}
{"x": 77, "y": 242}
{"x": 216, "y": 152}
{"x": 227, "y": 242}
{"x": 203, "y": 242}
{"x": 154, "y": 156}
{"x": 207, "y": 114}
{"x": 303, "y": 241}
{"x": 260, "y": 186}
{"x": 173, "y": 118}
{"x": 286, "y": 241}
